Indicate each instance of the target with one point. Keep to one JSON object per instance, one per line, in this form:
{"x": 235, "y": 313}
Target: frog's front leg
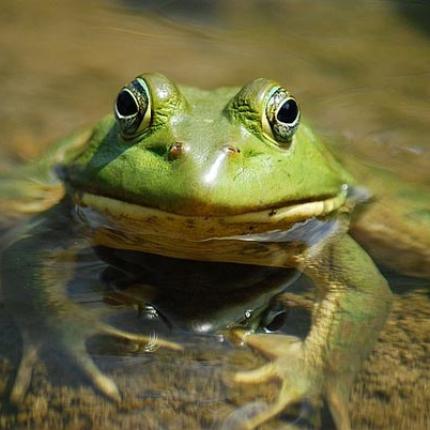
{"x": 35, "y": 273}
{"x": 353, "y": 300}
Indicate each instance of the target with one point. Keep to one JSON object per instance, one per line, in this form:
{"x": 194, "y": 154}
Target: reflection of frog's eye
{"x": 282, "y": 115}
{"x": 132, "y": 108}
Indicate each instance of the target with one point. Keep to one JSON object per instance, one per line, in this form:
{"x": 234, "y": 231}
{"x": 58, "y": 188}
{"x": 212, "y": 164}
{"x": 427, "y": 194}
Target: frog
{"x": 188, "y": 177}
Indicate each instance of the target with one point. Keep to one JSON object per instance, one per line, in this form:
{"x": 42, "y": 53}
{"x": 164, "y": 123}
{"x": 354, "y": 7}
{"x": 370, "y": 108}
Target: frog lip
{"x": 119, "y": 211}
{"x": 233, "y": 238}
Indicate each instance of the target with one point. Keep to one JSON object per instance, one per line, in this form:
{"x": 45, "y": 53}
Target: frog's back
{"x": 394, "y": 225}
{"x": 35, "y": 187}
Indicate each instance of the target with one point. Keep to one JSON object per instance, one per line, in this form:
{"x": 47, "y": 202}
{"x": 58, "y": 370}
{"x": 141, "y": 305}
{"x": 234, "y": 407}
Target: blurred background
{"x": 360, "y": 69}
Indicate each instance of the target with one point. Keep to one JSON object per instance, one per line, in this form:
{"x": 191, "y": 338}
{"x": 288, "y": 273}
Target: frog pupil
{"x": 288, "y": 112}
{"x": 126, "y": 104}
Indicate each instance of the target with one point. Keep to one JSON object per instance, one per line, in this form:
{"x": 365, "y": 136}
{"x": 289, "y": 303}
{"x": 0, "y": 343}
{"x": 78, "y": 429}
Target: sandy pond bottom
{"x": 172, "y": 390}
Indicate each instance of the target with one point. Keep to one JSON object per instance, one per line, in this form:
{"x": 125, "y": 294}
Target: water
{"x": 360, "y": 72}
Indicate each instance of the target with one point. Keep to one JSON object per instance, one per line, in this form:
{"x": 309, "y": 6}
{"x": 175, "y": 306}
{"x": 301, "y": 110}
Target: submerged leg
{"x": 352, "y": 304}
{"x": 35, "y": 272}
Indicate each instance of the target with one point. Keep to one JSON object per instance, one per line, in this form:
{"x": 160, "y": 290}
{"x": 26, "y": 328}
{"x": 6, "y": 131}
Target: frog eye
{"x": 283, "y": 116}
{"x": 132, "y": 108}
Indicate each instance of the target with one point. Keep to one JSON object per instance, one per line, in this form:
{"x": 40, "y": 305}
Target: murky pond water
{"x": 360, "y": 72}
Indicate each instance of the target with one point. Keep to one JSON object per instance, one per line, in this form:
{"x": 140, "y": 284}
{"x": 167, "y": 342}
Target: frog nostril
{"x": 230, "y": 149}
{"x": 176, "y": 151}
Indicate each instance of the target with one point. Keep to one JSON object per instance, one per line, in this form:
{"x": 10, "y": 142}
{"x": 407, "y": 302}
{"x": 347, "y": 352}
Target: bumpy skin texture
{"x": 229, "y": 163}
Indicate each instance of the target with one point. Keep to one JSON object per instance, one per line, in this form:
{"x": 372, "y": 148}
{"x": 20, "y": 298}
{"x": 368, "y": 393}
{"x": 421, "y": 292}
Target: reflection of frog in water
{"x": 203, "y": 178}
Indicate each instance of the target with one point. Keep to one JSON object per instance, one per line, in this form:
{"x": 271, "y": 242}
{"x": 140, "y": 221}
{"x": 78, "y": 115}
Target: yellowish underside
{"x": 128, "y": 216}
{"x": 124, "y": 225}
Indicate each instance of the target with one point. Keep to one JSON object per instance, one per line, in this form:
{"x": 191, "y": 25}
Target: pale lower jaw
{"x": 130, "y": 217}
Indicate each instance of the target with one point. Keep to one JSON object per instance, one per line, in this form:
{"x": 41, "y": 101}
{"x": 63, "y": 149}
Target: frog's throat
{"x": 128, "y": 217}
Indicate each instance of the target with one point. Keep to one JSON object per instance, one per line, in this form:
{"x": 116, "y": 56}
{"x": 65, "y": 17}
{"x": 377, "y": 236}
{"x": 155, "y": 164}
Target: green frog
{"x": 229, "y": 182}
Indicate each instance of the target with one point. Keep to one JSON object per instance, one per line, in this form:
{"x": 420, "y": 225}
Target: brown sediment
{"x": 165, "y": 388}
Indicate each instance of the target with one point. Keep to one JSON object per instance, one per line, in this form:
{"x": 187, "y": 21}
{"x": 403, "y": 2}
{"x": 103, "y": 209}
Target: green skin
{"x": 139, "y": 170}
{"x": 229, "y": 163}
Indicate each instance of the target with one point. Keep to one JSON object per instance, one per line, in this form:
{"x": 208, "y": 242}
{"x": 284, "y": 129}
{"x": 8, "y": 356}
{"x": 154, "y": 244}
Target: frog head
{"x": 231, "y": 156}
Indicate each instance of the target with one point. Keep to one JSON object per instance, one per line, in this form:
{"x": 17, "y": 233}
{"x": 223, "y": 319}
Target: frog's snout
{"x": 216, "y": 165}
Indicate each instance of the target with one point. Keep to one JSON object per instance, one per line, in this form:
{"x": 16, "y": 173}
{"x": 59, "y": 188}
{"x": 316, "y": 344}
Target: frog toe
{"x": 24, "y": 374}
{"x": 262, "y": 374}
{"x": 289, "y": 397}
{"x": 152, "y": 342}
{"x": 75, "y": 348}
{"x": 271, "y": 345}
{"x": 102, "y": 382}
{"x": 337, "y": 401}
{"x": 282, "y": 403}
{"x": 254, "y": 414}
{"x": 299, "y": 382}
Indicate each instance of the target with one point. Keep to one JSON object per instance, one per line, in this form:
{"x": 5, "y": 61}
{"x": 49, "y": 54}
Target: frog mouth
{"x": 130, "y": 217}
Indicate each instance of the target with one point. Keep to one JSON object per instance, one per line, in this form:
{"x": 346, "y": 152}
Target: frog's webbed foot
{"x": 70, "y": 338}
{"x": 77, "y": 350}
{"x": 36, "y": 271}
{"x": 352, "y": 303}
{"x": 300, "y": 381}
